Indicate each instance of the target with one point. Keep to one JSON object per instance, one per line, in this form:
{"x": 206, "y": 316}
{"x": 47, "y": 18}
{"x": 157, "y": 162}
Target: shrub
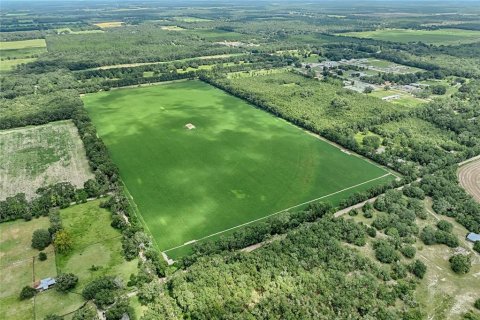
{"x": 477, "y": 304}
{"x": 460, "y": 263}
{"x": 52, "y": 317}
{"x": 476, "y": 246}
{"x": 444, "y": 226}
{"x": 372, "y": 232}
{"x": 368, "y": 214}
{"x": 65, "y": 282}
{"x": 27, "y": 293}
{"x": 41, "y": 239}
{"x": 385, "y": 252}
{"x": 414, "y": 192}
{"x": 42, "y": 256}
{"x": 418, "y": 268}
{"x": 84, "y": 314}
{"x": 408, "y": 251}
{"x": 63, "y": 241}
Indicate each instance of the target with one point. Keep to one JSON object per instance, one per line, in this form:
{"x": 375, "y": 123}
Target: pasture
{"x": 237, "y": 165}
{"x": 33, "y": 157}
{"x": 14, "y": 53}
{"x": 95, "y": 243}
{"x": 19, "y": 266}
{"x": 437, "y": 37}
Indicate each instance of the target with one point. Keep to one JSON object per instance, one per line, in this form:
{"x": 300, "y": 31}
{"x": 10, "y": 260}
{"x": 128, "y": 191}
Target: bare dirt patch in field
{"x": 33, "y": 157}
{"x": 469, "y": 177}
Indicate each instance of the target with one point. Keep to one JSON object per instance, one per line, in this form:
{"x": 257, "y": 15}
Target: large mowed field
{"x": 237, "y": 165}
{"x": 33, "y": 157}
{"x": 438, "y": 37}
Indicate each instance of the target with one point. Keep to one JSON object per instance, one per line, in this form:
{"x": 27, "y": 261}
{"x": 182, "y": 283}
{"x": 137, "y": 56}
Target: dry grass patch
{"x": 111, "y": 24}
{"x": 33, "y": 157}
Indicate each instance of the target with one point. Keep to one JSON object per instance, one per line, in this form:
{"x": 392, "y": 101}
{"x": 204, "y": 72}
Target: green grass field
{"x": 239, "y": 163}
{"x": 95, "y": 242}
{"x": 14, "y": 53}
{"x": 441, "y": 36}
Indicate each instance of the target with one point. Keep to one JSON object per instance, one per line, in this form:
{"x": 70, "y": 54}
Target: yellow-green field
{"x": 111, "y": 24}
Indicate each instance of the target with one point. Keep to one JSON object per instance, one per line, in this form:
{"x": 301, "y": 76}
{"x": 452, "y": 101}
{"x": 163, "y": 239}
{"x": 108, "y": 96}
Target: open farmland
{"x": 438, "y": 37}
{"x": 13, "y": 53}
{"x": 239, "y": 163}
{"x": 34, "y": 157}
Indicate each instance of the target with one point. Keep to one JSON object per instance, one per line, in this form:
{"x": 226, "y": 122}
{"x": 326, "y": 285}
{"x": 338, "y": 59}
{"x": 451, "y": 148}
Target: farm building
{"x": 44, "y": 284}
{"x": 392, "y": 97}
{"x": 473, "y": 237}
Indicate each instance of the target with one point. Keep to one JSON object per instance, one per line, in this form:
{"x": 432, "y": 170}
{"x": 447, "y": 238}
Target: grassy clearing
{"x": 442, "y": 293}
{"x": 111, "y": 24}
{"x": 239, "y": 164}
{"x": 172, "y": 28}
{"x": 438, "y": 37}
{"x": 9, "y": 65}
{"x": 23, "y": 44}
{"x": 19, "y": 266}
{"x": 53, "y": 302}
{"x": 14, "y": 53}
{"x": 15, "y": 239}
{"x": 405, "y": 99}
{"x": 36, "y": 156}
{"x": 95, "y": 243}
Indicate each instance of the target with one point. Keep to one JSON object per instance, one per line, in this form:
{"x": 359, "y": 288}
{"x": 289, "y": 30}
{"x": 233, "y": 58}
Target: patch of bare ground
{"x": 469, "y": 178}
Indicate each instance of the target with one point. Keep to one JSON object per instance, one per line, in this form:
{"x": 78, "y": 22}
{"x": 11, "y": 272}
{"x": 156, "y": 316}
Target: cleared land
{"x": 469, "y": 177}
{"x": 33, "y": 157}
{"x": 14, "y": 53}
{"x": 95, "y": 243}
{"x": 239, "y": 163}
{"x": 23, "y": 44}
{"x": 19, "y": 266}
{"x": 111, "y": 24}
{"x": 438, "y": 37}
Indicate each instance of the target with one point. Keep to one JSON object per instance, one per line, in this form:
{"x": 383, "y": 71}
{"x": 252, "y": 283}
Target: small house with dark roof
{"x": 473, "y": 237}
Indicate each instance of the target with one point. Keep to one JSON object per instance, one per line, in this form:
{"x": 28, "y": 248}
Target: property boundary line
{"x": 275, "y": 213}
{"x": 138, "y": 215}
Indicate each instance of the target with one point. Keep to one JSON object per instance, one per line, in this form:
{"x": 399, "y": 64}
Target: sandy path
{"x": 469, "y": 178}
